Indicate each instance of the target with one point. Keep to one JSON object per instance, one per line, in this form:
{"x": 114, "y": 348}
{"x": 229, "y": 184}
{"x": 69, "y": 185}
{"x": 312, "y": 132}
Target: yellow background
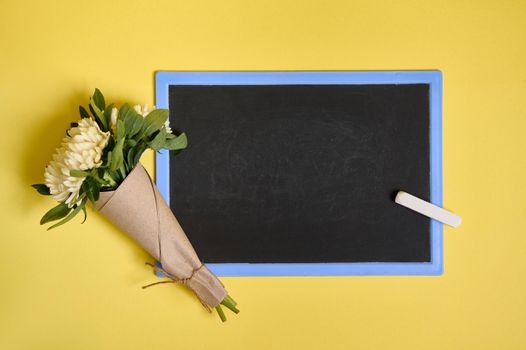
{"x": 78, "y": 287}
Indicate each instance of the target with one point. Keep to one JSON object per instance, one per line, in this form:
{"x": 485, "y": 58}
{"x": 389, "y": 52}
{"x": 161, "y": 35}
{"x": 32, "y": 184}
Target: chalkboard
{"x": 302, "y": 174}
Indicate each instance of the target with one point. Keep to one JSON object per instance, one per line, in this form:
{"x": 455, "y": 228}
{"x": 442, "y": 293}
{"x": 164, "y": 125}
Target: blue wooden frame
{"x": 432, "y": 77}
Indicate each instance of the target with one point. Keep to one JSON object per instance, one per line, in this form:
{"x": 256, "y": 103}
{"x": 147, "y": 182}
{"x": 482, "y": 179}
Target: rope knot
{"x": 174, "y": 279}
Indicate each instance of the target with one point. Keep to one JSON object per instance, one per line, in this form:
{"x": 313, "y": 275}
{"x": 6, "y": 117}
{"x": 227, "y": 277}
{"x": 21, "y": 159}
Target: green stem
{"x": 221, "y": 313}
{"x": 107, "y": 181}
{"x": 95, "y": 175}
{"x": 229, "y": 298}
{"x": 229, "y": 305}
{"x": 113, "y": 180}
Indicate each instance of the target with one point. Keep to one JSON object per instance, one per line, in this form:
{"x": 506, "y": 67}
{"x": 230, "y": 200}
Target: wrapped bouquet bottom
{"x": 138, "y": 209}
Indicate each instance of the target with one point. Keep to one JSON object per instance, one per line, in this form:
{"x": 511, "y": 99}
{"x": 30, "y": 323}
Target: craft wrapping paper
{"x": 137, "y": 208}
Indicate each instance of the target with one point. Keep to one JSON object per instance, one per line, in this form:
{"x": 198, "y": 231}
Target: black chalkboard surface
{"x": 301, "y": 173}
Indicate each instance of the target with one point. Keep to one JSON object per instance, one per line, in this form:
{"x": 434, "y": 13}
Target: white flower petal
{"x": 81, "y": 151}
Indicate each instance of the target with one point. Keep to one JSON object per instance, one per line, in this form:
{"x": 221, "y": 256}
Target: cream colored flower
{"x": 57, "y": 174}
{"x": 84, "y": 146}
{"x": 143, "y": 110}
{"x": 167, "y": 126}
{"x": 82, "y": 150}
{"x": 113, "y": 119}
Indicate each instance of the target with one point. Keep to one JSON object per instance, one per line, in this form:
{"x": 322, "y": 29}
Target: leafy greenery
{"x": 42, "y": 189}
{"x": 55, "y": 213}
{"x": 130, "y": 137}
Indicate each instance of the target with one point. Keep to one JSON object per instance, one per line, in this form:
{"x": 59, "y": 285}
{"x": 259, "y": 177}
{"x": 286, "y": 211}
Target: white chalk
{"x": 427, "y": 209}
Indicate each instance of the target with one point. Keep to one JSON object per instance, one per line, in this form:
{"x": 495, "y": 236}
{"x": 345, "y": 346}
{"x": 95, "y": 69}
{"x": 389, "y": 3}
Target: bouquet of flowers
{"x": 98, "y": 162}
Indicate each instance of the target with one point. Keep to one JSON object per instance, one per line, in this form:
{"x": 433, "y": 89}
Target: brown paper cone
{"x": 137, "y": 208}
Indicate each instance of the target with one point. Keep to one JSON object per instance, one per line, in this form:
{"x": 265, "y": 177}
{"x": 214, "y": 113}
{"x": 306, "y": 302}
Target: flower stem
{"x": 231, "y": 300}
{"x": 220, "y": 313}
{"x": 228, "y": 303}
{"x": 107, "y": 181}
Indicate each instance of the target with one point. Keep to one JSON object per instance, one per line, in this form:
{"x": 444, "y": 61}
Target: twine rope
{"x": 173, "y": 279}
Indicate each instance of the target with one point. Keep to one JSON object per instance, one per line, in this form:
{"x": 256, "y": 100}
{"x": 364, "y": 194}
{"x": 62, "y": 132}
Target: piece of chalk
{"x": 427, "y": 209}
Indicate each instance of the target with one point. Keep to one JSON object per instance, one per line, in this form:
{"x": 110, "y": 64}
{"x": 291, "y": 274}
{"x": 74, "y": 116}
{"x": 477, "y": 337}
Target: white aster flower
{"x": 167, "y": 126}
{"x": 84, "y": 146}
{"x": 82, "y": 150}
{"x": 113, "y": 119}
{"x": 143, "y": 110}
{"x": 56, "y": 174}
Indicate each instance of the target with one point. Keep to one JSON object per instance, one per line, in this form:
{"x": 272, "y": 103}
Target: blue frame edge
{"x": 432, "y": 77}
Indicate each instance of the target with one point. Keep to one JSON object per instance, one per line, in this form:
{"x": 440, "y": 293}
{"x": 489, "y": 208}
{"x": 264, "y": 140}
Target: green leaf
{"x": 99, "y": 116}
{"x": 140, "y": 150}
{"x": 177, "y": 143}
{"x": 95, "y": 188}
{"x": 133, "y": 121}
{"x": 130, "y": 118}
{"x": 91, "y": 188}
{"x": 55, "y": 213}
{"x": 123, "y": 111}
{"x": 121, "y": 130}
{"x": 98, "y": 98}
{"x": 153, "y": 122}
{"x": 85, "y": 213}
{"x": 79, "y": 173}
{"x": 89, "y": 194}
{"x": 108, "y": 160}
{"x": 117, "y": 157}
{"x": 42, "y": 189}
{"x": 107, "y": 149}
{"x": 107, "y": 113}
{"x": 158, "y": 141}
{"x": 126, "y": 114}
{"x": 86, "y": 188}
{"x": 70, "y": 216}
{"x": 130, "y": 157}
{"x": 131, "y": 143}
{"x": 136, "y": 126}
{"x": 83, "y": 112}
